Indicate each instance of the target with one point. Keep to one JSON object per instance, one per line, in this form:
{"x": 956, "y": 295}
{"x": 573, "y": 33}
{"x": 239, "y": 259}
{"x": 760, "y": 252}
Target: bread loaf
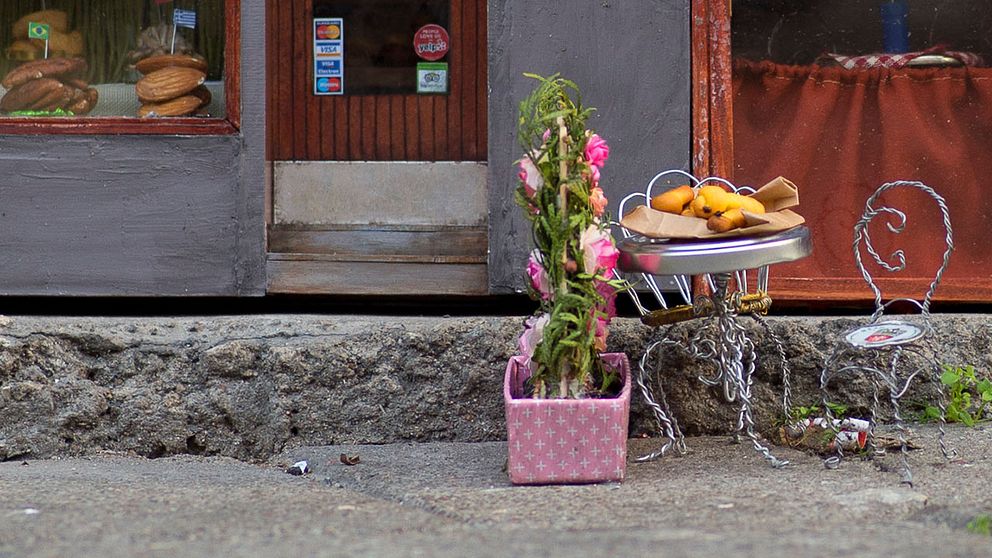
{"x": 56, "y": 98}
{"x": 69, "y": 44}
{"x": 57, "y": 20}
{"x": 168, "y": 83}
{"x": 51, "y": 67}
{"x": 181, "y": 106}
{"x": 32, "y": 93}
{"x": 160, "y": 61}
{"x": 23, "y": 50}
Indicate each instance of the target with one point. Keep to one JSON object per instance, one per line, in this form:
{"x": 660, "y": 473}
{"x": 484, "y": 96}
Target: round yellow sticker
{"x": 328, "y": 31}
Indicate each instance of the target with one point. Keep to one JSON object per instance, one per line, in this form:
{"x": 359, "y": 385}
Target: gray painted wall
{"x": 249, "y": 266}
{"x": 631, "y": 60}
{"x": 140, "y": 215}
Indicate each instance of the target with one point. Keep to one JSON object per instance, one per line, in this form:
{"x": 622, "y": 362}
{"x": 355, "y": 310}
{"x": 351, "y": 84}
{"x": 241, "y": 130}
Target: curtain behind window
{"x": 839, "y": 134}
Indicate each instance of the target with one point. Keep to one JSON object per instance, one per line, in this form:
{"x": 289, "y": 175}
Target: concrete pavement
{"x": 452, "y": 499}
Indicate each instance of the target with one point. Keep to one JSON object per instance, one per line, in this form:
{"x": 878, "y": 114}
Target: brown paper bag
{"x": 777, "y": 196}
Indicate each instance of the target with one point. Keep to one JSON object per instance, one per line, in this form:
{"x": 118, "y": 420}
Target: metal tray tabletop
{"x": 680, "y": 257}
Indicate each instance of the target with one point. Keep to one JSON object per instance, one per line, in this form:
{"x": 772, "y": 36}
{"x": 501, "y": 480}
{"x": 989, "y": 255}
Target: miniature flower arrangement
{"x": 567, "y": 401}
{"x": 571, "y": 270}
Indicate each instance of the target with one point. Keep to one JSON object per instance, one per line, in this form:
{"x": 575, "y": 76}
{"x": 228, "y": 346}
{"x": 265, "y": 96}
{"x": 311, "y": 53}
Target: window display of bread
{"x": 52, "y": 85}
{"x": 121, "y": 41}
{"x": 172, "y": 85}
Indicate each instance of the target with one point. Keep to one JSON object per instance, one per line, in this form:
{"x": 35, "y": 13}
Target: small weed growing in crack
{"x": 970, "y": 397}
{"x": 981, "y": 525}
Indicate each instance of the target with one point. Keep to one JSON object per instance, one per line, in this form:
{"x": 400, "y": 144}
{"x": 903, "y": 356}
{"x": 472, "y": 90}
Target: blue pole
{"x": 895, "y": 29}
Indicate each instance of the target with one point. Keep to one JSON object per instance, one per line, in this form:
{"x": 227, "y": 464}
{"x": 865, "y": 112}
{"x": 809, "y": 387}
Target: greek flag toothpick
{"x": 181, "y": 18}
{"x": 184, "y": 18}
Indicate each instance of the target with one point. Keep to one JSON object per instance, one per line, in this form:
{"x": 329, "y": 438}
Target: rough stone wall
{"x": 247, "y": 387}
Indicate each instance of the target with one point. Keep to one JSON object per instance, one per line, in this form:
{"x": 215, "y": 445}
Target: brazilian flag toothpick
{"x": 39, "y": 31}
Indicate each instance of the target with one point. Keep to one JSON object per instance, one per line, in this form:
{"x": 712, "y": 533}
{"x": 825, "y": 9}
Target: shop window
{"x": 387, "y": 45}
{"x": 842, "y": 97}
{"x": 138, "y": 65}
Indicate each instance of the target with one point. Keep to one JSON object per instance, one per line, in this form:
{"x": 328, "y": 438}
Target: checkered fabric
{"x": 883, "y": 60}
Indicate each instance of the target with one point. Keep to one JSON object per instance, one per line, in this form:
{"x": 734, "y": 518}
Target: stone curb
{"x": 249, "y": 386}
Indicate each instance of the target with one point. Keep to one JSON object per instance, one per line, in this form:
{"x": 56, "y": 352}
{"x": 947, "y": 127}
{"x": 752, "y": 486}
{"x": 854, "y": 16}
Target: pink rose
{"x": 532, "y": 335}
{"x": 539, "y": 276}
{"x": 597, "y": 152}
{"x": 530, "y": 176}
{"x": 545, "y": 136}
{"x": 598, "y": 201}
{"x": 598, "y": 252}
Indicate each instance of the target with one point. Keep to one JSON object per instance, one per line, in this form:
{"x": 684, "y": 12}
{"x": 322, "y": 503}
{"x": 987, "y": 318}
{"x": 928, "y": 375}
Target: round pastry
{"x": 181, "y": 106}
{"x": 159, "y": 61}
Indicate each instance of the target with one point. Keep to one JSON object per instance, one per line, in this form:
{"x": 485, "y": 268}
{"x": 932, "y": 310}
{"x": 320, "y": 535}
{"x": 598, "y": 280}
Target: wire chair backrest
{"x": 681, "y": 282}
{"x": 861, "y": 235}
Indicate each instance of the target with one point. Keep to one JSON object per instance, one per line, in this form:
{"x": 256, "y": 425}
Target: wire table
{"x": 720, "y": 338}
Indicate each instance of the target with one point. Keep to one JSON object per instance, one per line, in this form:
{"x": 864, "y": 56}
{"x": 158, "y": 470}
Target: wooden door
{"x": 377, "y": 191}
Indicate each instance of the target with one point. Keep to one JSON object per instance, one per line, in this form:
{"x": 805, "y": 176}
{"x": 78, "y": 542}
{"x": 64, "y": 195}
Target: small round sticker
{"x": 330, "y": 31}
{"x": 329, "y": 85}
{"x": 883, "y": 334}
{"x": 431, "y": 42}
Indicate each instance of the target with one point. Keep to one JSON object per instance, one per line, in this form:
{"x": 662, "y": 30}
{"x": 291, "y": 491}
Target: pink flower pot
{"x": 566, "y": 441}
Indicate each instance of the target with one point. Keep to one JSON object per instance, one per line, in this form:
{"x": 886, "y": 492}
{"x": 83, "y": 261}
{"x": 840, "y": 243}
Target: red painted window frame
{"x": 712, "y": 111}
{"x": 115, "y": 125}
{"x": 711, "y": 91}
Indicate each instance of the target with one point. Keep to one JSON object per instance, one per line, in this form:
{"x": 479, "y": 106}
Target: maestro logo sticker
{"x": 329, "y": 85}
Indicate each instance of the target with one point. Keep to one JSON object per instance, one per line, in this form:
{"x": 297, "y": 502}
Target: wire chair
{"x": 890, "y": 353}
